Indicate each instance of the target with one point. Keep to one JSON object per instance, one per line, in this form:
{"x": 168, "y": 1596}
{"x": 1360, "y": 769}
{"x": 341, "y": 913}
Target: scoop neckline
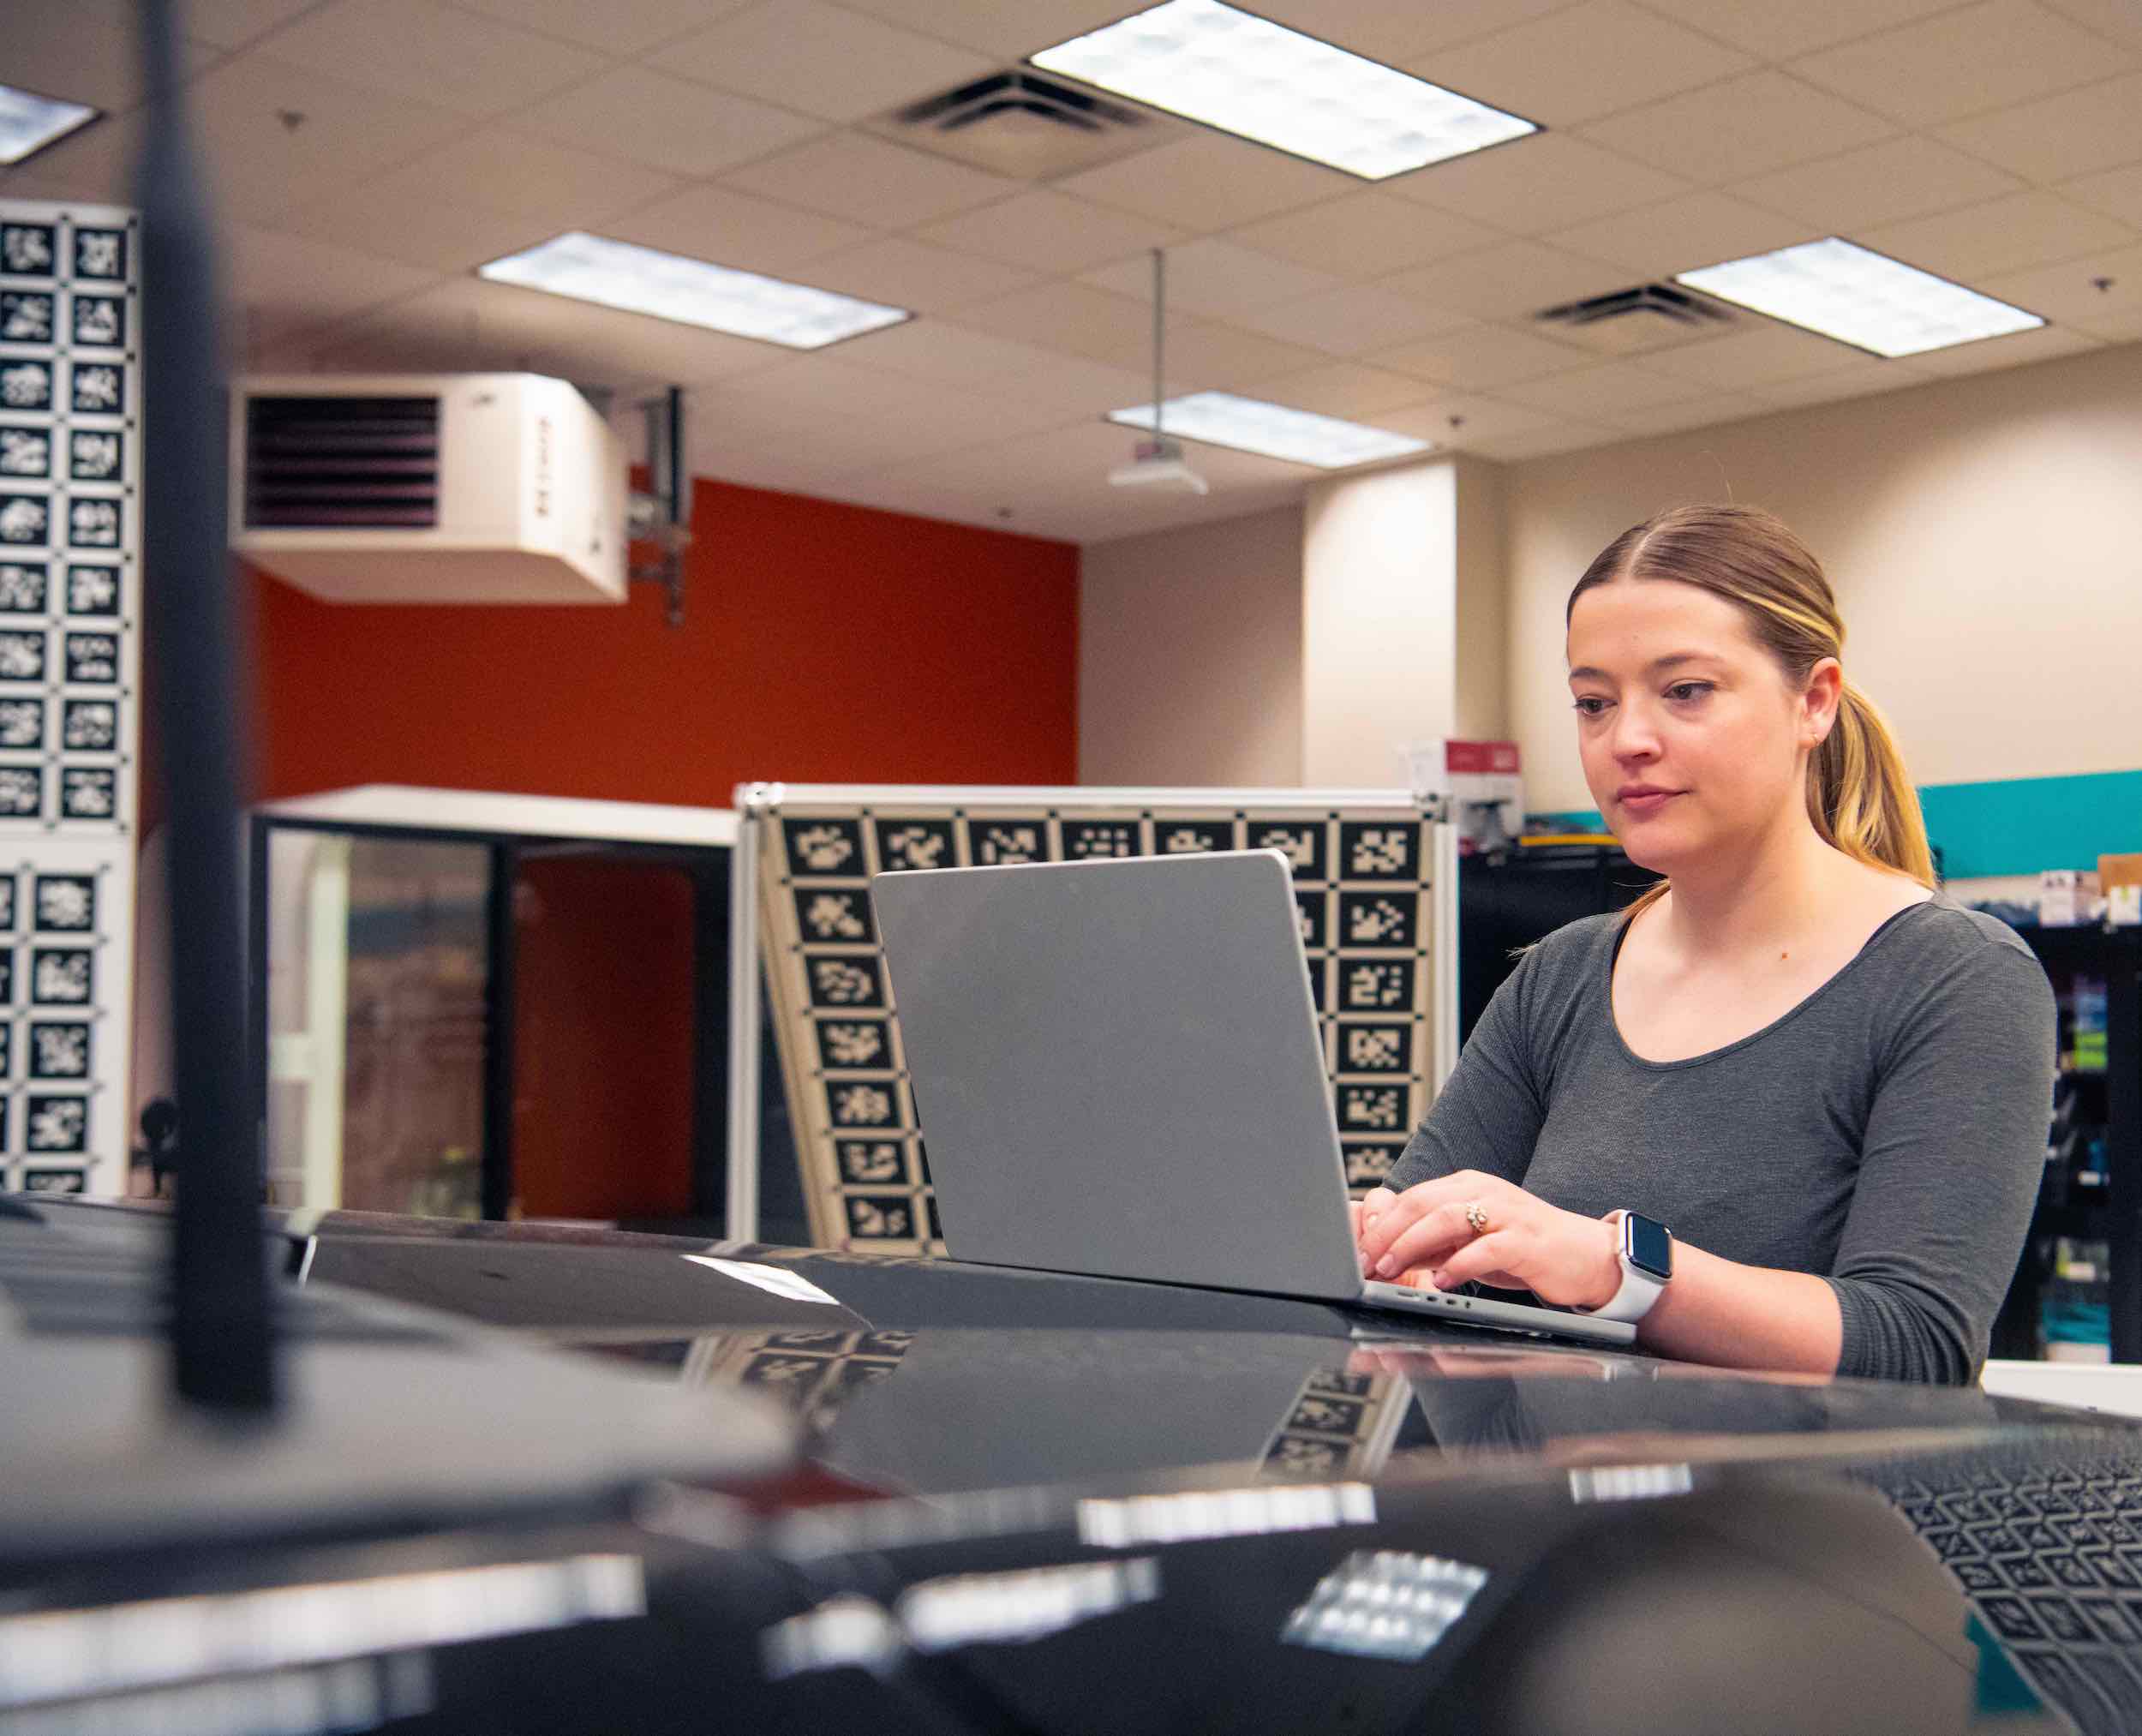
{"x": 1613, "y": 955}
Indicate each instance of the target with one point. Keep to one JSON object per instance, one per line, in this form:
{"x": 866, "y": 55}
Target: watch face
{"x": 1649, "y": 1244}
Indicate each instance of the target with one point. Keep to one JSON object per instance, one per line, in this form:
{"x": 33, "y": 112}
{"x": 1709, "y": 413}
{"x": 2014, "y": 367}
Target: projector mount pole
{"x": 658, "y": 515}
{"x": 1159, "y": 332}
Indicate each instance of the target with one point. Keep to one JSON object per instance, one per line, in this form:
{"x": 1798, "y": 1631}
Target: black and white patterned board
{"x": 70, "y": 476}
{"x": 1361, "y": 883}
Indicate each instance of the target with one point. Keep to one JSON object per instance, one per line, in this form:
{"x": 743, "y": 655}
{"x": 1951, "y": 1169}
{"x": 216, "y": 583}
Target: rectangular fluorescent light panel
{"x": 1271, "y": 430}
{"x": 1260, "y": 81}
{"x": 29, "y": 122}
{"x": 1859, "y": 297}
{"x": 641, "y": 280}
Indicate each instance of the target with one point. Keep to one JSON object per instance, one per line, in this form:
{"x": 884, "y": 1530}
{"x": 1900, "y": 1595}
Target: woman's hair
{"x": 1859, "y": 794}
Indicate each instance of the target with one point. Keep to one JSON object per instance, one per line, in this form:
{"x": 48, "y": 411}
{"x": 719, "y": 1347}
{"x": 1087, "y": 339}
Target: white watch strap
{"x": 1639, "y": 1290}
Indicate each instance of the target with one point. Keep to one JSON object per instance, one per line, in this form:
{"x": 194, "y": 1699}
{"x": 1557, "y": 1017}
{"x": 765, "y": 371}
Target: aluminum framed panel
{"x": 1373, "y": 880}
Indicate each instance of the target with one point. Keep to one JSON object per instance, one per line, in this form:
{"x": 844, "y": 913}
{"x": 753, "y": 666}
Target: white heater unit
{"x": 428, "y": 488}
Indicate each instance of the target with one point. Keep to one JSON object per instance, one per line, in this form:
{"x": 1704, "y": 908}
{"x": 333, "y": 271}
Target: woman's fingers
{"x": 1426, "y": 1241}
{"x": 1480, "y": 1260}
{"x": 1381, "y": 1228}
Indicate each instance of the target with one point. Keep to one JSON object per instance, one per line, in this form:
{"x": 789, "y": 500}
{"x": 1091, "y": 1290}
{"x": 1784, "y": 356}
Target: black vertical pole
{"x": 2123, "y": 1141}
{"x": 502, "y": 950}
{"x": 222, "y": 1356}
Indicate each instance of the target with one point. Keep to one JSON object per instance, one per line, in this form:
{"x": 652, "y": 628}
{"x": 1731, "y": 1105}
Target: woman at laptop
{"x": 1831, "y": 1083}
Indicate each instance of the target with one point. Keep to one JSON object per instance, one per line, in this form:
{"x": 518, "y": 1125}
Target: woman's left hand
{"x": 1425, "y": 1234}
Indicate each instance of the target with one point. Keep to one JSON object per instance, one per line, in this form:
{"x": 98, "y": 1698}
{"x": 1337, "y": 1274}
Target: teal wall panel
{"x": 2008, "y": 825}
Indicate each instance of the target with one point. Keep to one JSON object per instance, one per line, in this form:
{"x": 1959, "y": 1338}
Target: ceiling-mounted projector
{"x": 1157, "y": 464}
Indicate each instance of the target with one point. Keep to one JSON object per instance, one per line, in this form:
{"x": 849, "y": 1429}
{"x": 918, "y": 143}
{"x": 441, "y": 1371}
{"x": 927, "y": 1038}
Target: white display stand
{"x": 1376, "y": 880}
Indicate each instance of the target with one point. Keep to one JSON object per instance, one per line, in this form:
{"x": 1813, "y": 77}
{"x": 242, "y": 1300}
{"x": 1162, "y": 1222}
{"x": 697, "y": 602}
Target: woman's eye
{"x": 1591, "y": 705}
{"x": 1688, "y": 689}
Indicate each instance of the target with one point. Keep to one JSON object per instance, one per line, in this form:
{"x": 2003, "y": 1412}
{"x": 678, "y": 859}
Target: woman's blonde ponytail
{"x": 1859, "y": 796}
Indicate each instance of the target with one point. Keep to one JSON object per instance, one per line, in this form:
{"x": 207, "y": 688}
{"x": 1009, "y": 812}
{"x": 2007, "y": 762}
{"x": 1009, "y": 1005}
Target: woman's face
{"x": 1692, "y": 737}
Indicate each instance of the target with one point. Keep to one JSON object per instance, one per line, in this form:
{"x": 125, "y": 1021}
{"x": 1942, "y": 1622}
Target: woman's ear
{"x": 1824, "y": 693}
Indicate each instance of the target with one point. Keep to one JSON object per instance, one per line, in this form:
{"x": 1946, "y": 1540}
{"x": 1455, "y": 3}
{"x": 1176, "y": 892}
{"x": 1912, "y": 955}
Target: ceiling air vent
{"x": 341, "y": 464}
{"x": 1630, "y": 322}
{"x": 1022, "y": 124}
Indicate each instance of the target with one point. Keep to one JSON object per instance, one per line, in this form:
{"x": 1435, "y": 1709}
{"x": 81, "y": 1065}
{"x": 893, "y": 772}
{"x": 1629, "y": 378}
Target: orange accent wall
{"x": 822, "y": 643}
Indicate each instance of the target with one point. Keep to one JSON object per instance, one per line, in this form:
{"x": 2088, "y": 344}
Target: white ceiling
{"x": 368, "y": 154}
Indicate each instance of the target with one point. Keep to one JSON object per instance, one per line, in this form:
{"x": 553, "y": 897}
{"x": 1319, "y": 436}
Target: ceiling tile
{"x": 2043, "y": 345}
{"x": 284, "y": 282}
{"x": 667, "y": 123}
{"x": 468, "y": 325}
{"x": 501, "y": 170}
{"x": 1049, "y": 231}
{"x": 1544, "y": 181}
{"x": 2097, "y": 127}
{"x": 938, "y": 351}
{"x": 823, "y": 60}
{"x": 1773, "y": 31}
{"x": 1698, "y": 229}
{"x": 1864, "y": 378}
{"x": 1573, "y": 65}
{"x": 616, "y": 26}
{"x": 733, "y": 229}
{"x": 1749, "y": 125}
{"x": 1348, "y": 389}
{"x": 262, "y": 164}
{"x": 2117, "y": 19}
{"x": 1701, "y": 412}
{"x": 1208, "y": 182}
{"x": 992, "y": 27}
{"x": 1396, "y": 31}
{"x": 437, "y": 233}
{"x": 1881, "y": 183}
{"x": 1079, "y": 320}
{"x": 2000, "y": 234}
{"x": 1599, "y": 391}
{"x": 2115, "y": 328}
{"x": 1964, "y": 62}
{"x": 1762, "y": 351}
{"x": 2068, "y": 292}
{"x": 82, "y": 52}
{"x": 1352, "y": 321}
{"x": 1483, "y": 358}
{"x": 1365, "y": 235}
{"x": 230, "y": 23}
{"x": 908, "y": 274}
{"x": 870, "y": 181}
{"x": 1215, "y": 277}
{"x": 1464, "y": 422}
{"x": 433, "y": 53}
{"x": 2117, "y": 193}
{"x": 1513, "y": 279}
{"x": 1555, "y": 437}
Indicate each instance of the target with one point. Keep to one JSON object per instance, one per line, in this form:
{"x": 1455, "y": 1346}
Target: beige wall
{"x": 1984, "y": 537}
{"x": 1190, "y": 655}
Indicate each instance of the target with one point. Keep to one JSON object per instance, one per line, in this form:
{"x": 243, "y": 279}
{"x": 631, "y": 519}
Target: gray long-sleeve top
{"x": 1887, "y": 1133}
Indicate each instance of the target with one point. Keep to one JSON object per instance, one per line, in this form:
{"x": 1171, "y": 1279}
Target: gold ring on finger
{"x": 1476, "y": 1215}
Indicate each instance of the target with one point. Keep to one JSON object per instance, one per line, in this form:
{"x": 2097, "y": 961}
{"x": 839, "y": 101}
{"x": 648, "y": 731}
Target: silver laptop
{"x": 1117, "y": 1069}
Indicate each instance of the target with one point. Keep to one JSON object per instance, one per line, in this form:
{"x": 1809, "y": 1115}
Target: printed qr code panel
{"x": 866, "y": 1171}
{"x": 835, "y": 916}
{"x": 69, "y": 533}
{"x": 905, "y": 844}
{"x": 855, "y": 1045}
{"x": 825, "y": 848}
{"x": 1302, "y": 843}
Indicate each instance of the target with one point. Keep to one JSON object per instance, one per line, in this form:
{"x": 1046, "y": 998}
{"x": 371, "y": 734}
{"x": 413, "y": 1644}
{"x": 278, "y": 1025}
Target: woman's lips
{"x": 1646, "y": 803}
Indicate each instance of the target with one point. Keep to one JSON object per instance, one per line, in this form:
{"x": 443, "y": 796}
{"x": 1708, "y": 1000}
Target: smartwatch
{"x": 1647, "y": 1264}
